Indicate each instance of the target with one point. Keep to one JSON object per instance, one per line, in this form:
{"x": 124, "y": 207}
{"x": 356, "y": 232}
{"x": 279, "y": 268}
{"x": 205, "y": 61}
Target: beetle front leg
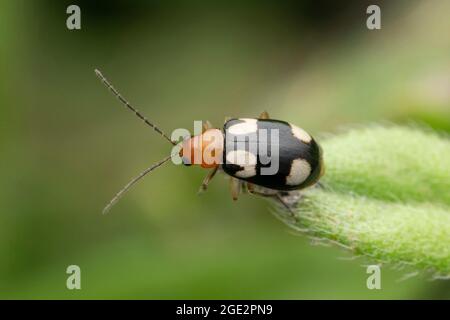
{"x": 207, "y": 179}
{"x": 264, "y": 115}
{"x": 206, "y": 125}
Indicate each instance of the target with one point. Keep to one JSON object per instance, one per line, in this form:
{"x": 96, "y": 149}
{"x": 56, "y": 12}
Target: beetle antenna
{"x": 129, "y": 106}
{"x": 133, "y": 181}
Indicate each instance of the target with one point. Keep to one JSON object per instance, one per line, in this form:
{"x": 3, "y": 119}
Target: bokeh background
{"x": 67, "y": 146}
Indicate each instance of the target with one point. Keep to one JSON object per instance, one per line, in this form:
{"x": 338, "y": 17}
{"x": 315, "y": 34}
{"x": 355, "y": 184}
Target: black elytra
{"x": 290, "y": 148}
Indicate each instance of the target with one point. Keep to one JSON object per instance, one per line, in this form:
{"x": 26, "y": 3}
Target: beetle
{"x": 246, "y": 149}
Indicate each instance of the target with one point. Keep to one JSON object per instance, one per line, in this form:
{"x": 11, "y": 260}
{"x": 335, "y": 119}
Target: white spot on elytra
{"x": 246, "y": 127}
{"x": 300, "y": 170}
{"x": 245, "y": 159}
{"x": 301, "y": 134}
{"x": 247, "y": 172}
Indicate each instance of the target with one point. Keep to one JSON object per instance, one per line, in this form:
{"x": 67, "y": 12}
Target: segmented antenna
{"x": 132, "y": 182}
{"x": 127, "y": 104}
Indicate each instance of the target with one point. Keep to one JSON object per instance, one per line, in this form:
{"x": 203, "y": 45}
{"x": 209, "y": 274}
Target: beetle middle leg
{"x": 235, "y": 187}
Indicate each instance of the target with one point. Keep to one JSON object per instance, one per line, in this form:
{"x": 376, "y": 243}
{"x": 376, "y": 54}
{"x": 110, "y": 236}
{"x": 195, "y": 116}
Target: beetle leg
{"x": 206, "y": 125}
{"x": 235, "y": 186}
{"x": 250, "y": 187}
{"x": 277, "y": 197}
{"x": 287, "y": 206}
{"x": 264, "y": 115}
{"x": 207, "y": 179}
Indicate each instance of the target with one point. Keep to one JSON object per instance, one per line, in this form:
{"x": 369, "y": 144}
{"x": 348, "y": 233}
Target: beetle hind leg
{"x": 286, "y": 205}
{"x": 282, "y": 198}
{"x": 250, "y": 187}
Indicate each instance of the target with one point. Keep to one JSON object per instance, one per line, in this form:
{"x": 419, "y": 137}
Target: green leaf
{"x": 385, "y": 195}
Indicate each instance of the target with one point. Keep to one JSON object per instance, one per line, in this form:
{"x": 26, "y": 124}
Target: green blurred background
{"x": 67, "y": 146}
